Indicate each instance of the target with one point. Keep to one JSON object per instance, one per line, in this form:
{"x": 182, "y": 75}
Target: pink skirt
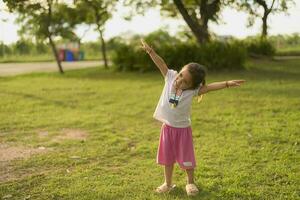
{"x": 176, "y": 145}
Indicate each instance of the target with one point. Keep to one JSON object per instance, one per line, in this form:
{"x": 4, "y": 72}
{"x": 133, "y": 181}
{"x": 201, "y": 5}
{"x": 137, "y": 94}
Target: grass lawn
{"x": 89, "y": 134}
{"x": 288, "y": 51}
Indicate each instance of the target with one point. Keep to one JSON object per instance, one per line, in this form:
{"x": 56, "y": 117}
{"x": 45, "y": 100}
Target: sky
{"x": 234, "y": 23}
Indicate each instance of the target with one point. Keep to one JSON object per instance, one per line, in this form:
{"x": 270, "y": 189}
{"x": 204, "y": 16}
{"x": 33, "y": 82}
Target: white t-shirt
{"x": 180, "y": 115}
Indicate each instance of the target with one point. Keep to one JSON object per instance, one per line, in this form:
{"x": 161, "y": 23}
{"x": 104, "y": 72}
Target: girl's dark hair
{"x": 198, "y": 73}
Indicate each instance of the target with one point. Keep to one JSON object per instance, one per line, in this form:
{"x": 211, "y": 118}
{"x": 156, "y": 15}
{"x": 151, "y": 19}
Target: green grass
{"x": 288, "y": 51}
{"x": 246, "y": 139}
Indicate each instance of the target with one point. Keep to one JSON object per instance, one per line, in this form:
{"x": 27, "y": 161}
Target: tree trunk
{"x": 103, "y": 47}
{"x": 52, "y": 44}
{"x": 264, "y": 25}
{"x": 194, "y": 26}
{"x": 49, "y": 34}
{"x": 267, "y": 11}
{"x": 206, "y": 11}
{"x": 204, "y": 27}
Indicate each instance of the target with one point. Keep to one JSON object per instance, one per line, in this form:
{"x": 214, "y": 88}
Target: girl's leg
{"x": 190, "y": 176}
{"x": 168, "y": 174}
{"x": 191, "y": 188}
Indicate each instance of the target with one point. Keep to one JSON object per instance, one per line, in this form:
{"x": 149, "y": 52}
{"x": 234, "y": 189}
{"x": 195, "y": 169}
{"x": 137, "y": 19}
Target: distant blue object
{"x": 69, "y": 56}
{"x": 81, "y": 55}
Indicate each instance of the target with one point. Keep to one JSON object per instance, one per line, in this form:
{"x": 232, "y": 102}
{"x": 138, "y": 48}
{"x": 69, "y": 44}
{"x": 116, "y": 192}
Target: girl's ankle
{"x": 169, "y": 185}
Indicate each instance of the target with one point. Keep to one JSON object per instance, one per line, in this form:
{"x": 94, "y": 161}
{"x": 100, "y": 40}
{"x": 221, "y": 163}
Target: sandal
{"x": 191, "y": 189}
{"x": 164, "y": 188}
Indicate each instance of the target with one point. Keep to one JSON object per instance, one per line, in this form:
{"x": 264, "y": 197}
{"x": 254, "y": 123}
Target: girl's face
{"x": 183, "y": 79}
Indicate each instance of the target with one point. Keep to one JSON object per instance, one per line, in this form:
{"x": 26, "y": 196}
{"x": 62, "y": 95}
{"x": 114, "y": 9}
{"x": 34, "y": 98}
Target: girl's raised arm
{"x": 159, "y": 62}
{"x": 220, "y": 85}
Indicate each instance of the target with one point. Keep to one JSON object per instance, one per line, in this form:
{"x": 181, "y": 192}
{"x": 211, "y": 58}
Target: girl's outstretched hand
{"x": 146, "y": 47}
{"x": 235, "y": 82}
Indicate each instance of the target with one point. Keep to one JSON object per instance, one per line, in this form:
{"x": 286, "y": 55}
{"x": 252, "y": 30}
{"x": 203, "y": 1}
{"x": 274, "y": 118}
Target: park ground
{"x": 11, "y": 69}
{"x": 89, "y": 134}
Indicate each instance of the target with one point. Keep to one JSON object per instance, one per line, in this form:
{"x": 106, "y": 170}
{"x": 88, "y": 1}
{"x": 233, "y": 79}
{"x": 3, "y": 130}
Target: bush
{"x": 214, "y": 55}
{"x": 23, "y": 47}
{"x": 259, "y": 46}
{"x": 4, "y": 49}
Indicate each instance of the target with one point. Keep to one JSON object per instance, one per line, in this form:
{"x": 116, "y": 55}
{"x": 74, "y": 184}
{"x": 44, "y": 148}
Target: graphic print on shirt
{"x": 175, "y": 95}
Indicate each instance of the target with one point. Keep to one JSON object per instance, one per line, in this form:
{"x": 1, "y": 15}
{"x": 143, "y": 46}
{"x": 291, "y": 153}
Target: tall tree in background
{"x": 262, "y": 9}
{"x": 95, "y": 12}
{"x": 43, "y": 20}
{"x": 196, "y": 13}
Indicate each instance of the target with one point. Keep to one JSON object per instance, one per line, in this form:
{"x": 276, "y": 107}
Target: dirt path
{"x": 10, "y": 69}
{"x": 286, "y": 57}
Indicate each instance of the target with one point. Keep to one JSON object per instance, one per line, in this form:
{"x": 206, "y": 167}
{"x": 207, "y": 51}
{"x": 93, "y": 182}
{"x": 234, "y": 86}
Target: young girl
{"x": 173, "y": 110}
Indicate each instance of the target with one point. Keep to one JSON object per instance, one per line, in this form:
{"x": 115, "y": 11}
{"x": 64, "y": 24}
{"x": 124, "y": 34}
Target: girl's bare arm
{"x": 220, "y": 85}
{"x": 159, "y": 62}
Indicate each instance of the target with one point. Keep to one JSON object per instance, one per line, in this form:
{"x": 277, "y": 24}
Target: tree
{"x": 268, "y": 6}
{"x": 95, "y": 12}
{"x": 196, "y": 13}
{"x": 43, "y": 20}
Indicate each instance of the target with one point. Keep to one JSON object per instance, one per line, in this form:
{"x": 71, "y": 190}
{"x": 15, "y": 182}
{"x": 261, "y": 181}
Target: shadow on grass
{"x": 268, "y": 74}
{"x": 34, "y": 97}
{"x": 255, "y": 70}
{"x": 203, "y": 194}
{"x": 110, "y": 74}
{"x": 274, "y": 69}
{"x": 273, "y": 92}
{"x": 271, "y": 70}
{"x": 259, "y": 69}
{"x": 212, "y": 193}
